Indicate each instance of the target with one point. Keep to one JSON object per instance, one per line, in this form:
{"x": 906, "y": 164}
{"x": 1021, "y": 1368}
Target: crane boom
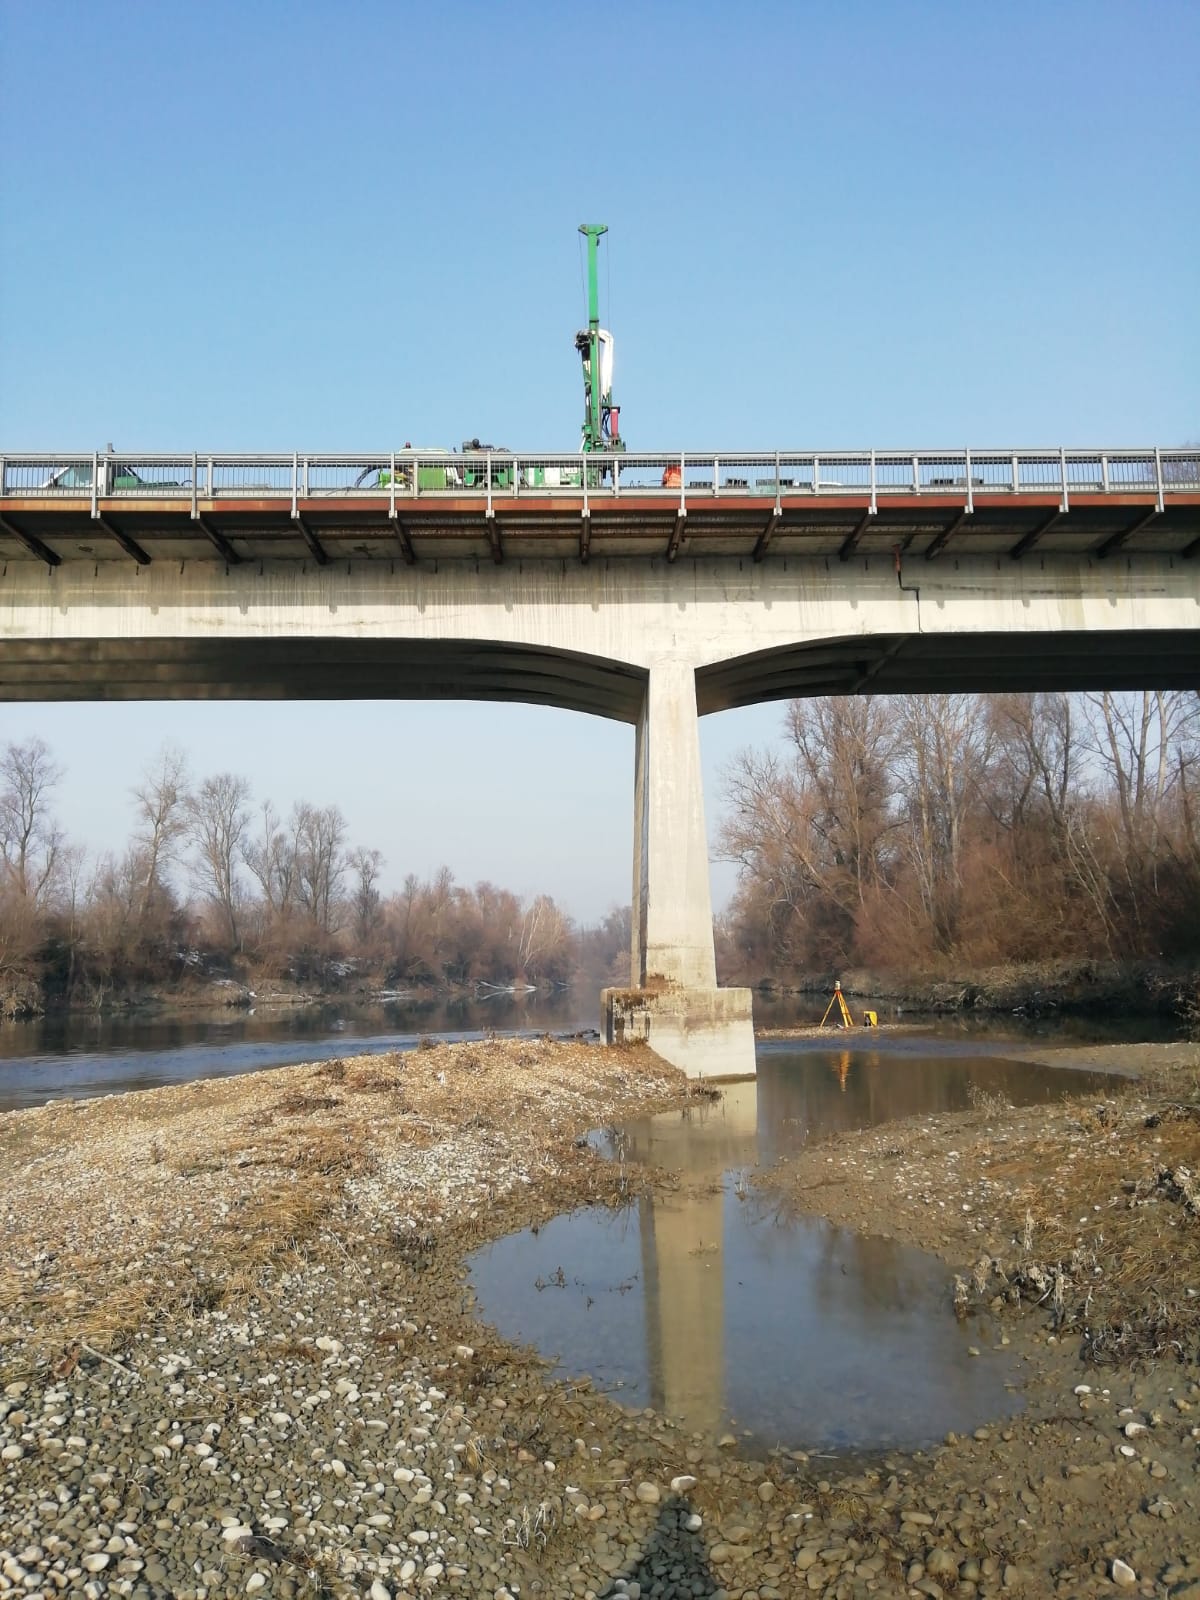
{"x": 601, "y": 418}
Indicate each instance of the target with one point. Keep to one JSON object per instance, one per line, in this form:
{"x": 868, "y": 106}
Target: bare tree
{"x": 812, "y": 832}
{"x": 320, "y": 834}
{"x": 271, "y": 858}
{"x": 217, "y": 821}
{"x": 74, "y": 867}
{"x": 1036, "y": 750}
{"x": 1137, "y": 737}
{"x": 844, "y": 747}
{"x": 365, "y": 866}
{"x": 944, "y": 755}
{"x": 545, "y": 935}
{"x": 161, "y": 812}
{"x": 30, "y": 838}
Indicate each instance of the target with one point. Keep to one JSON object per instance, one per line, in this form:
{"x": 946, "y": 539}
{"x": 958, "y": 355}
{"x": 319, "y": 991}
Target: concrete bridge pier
{"x": 674, "y": 1004}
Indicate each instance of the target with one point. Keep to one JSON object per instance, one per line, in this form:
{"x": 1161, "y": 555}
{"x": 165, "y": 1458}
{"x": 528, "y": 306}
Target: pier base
{"x": 706, "y": 1033}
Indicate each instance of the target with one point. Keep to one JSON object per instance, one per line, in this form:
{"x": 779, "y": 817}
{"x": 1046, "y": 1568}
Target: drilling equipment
{"x": 601, "y": 418}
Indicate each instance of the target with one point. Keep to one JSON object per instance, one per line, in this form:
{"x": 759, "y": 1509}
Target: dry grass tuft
{"x": 301, "y": 1102}
{"x": 1108, "y": 1229}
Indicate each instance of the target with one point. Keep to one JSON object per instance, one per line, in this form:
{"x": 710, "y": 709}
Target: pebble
{"x": 682, "y": 1483}
{"x": 649, "y": 1494}
{"x": 1123, "y": 1574}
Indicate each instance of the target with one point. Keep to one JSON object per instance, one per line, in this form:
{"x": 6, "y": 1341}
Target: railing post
{"x": 816, "y": 483}
{"x": 1104, "y": 471}
{"x": 487, "y": 467}
{"x": 716, "y": 476}
{"x": 1159, "y": 477}
{"x": 95, "y": 483}
{"x": 1062, "y": 476}
{"x": 916, "y": 474}
{"x": 416, "y": 476}
{"x": 305, "y": 478}
{"x": 392, "y": 490}
{"x": 195, "y": 470}
{"x": 584, "y": 482}
{"x": 210, "y": 481}
{"x": 3, "y": 475}
{"x": 970, "y": 485}
{"x": 777, "y": 478}
{"x": 1016, "y": 473}
{"x": 682, "y": 483}
{"x": 295, "y": 484}
{"x": 874, "y": 508}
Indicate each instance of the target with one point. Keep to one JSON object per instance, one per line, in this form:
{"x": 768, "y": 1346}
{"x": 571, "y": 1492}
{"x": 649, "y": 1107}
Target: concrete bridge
{"x": 652, "y": 589}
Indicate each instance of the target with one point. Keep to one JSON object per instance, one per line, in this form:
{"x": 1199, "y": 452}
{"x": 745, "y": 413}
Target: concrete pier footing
{"x": 706, "y": 1033}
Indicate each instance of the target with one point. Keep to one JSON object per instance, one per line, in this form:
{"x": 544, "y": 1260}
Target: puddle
{"x": 716, "y": 1310}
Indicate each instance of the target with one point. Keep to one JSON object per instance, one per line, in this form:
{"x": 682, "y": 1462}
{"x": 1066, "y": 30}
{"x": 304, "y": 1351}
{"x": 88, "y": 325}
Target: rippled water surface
{"x": 77, "y": 1055}
{"x": 714, "y": 1307}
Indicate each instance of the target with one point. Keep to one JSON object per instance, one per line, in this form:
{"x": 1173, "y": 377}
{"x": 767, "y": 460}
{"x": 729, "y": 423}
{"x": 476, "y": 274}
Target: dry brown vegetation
{"x": 209, "y": 885}
{"x": 1104, "y": 1207}
{"x": 174, "y": 1201}
{"x": 927, "y": 834}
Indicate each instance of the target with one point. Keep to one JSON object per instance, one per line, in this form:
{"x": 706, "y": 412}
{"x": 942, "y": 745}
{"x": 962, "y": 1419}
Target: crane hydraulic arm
{"x": 601, "y": 418}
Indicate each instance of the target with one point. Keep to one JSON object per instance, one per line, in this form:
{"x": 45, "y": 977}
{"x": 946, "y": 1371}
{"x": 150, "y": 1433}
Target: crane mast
{"x": 601, "y": 418}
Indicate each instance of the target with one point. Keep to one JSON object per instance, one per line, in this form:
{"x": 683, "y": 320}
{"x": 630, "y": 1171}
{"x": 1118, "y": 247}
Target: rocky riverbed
{"x": 238, "y": 1356}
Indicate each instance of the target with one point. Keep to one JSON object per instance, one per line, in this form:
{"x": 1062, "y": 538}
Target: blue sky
{"x": 339, "y": 227}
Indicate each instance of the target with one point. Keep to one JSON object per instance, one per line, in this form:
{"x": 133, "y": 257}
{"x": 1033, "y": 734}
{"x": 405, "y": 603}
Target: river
{"x": 77, "y": 1054}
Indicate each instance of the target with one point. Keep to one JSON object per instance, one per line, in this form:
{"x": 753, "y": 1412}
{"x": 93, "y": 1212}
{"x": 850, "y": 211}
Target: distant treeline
{"x": 209, "y": 882}
{"x": 917, "y": 834}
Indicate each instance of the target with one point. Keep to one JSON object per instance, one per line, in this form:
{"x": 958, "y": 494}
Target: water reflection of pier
{"x": 710, "y": 1304}
{"x": 683, "y": 1256}
{"x": 695, "y": 1321}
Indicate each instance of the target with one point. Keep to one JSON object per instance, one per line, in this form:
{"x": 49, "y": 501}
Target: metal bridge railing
{"x": 492, "y": 474}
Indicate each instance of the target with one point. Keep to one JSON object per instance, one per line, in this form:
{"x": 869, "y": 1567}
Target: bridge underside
{"x": 210, "y": 668}
{"x": 328, "y": 528}
{"x": 955, "y": 663}
{"x": 207, "y": 668}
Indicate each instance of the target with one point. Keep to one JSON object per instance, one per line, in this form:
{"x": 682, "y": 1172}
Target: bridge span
{"x": 648, "y": 589}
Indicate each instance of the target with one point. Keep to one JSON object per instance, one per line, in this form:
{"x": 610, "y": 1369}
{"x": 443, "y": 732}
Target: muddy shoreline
{"x": 237, "y": 1352}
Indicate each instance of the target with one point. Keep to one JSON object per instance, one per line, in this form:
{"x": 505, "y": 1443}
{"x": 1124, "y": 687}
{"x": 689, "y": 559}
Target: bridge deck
{"x": 999, "y": 505}
{"x": 1018, "y": 526}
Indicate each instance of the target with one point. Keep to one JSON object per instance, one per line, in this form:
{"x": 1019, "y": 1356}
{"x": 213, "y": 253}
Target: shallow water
{"x": 714, "y": 1307}
{"x": 76, "y": 1055}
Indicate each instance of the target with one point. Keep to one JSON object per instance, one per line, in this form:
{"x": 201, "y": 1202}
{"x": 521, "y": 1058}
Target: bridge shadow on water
{"x": 674, "y": 1562}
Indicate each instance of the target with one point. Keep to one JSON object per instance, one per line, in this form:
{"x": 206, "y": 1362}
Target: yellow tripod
{"x": 839, "y": 1000}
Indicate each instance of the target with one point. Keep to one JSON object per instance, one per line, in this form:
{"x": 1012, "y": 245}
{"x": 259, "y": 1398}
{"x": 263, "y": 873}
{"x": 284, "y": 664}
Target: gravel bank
{"x": 237, "y": 1356}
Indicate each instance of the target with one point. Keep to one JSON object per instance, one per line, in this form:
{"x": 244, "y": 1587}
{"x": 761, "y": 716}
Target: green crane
{"x": 601, "y": 418}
